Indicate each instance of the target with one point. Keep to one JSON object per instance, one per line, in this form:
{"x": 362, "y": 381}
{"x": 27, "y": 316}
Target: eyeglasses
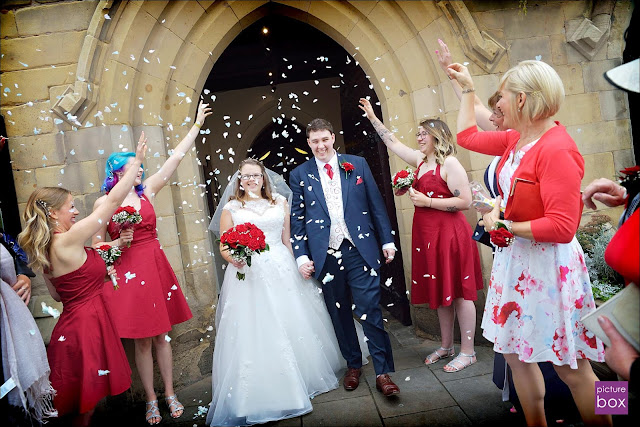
{"x": 255, "y": 177}
{"x": 421, "y": 134}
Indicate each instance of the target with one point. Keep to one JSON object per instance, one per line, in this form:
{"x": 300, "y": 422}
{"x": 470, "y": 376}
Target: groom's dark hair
{"x": 319, "y": 124}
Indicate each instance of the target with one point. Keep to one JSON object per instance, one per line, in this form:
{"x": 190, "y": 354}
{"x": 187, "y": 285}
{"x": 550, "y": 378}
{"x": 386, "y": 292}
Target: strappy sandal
{"x": 153, "y": 412}
{"x": 458, "y": 364}
{"x": 174, "y": 405}
{"x": 435, "y": 356}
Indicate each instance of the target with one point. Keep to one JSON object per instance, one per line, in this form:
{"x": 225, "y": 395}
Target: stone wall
{"x": 122, "y": 67}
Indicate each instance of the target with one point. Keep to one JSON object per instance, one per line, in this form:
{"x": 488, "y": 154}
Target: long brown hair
{"x": 443, "y": 140}
{"x": 266, "y": 186}
{"x": 35, "y": 239}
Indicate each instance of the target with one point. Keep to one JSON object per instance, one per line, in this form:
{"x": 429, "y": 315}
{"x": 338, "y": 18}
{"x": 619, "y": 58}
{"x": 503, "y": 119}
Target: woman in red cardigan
{"x": 540, "y": 287}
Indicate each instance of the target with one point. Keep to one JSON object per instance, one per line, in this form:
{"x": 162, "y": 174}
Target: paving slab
{"x": 356, "y": 412}
{"x": 420, "y": 391}
{"x": 452, "y": 416}
{"x": 481, "y": 401}
{"x": 484, "y": 365}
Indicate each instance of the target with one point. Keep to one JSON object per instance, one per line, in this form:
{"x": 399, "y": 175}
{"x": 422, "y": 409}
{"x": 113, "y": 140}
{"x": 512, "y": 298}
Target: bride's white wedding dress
{"x": 275, "y": 346}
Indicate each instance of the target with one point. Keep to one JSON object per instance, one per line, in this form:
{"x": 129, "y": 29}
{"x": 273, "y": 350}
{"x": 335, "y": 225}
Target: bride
{"x": 275, "y": 347}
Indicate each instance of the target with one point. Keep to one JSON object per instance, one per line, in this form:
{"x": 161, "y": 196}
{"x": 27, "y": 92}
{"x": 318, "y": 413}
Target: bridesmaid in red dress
{"x": 445, "y": 265}
{"x": 85, "y": 353}
{"x": 149, "y": 299}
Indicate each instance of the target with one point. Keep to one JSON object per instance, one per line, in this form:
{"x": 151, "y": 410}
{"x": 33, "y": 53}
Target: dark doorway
{"x": 8, "y": 201}
{"x": 276, "y": 50}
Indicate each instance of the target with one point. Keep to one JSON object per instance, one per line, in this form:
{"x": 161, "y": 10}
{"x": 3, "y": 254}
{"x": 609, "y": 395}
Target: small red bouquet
{"x": 110, "y": 254}
{"x": 126, "y": 217}
{"x": 501, "y": 236}
{"x": 347, "y": 167}
{"x": 243, "y": 241}
{"x": 402, "y": 181}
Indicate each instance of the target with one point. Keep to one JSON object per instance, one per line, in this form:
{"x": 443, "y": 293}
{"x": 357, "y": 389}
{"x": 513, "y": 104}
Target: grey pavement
{"x": 429, "y": 396}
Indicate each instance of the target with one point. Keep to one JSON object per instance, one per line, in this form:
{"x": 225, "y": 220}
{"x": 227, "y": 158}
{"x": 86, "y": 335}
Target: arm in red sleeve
{"x": 493, "y": 143}
{"x": 560, "y": 173}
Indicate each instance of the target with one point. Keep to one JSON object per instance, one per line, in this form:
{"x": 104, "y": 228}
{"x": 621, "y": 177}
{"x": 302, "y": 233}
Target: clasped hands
{"x": 489, "y": 218}
{"x": 308, "y": 268}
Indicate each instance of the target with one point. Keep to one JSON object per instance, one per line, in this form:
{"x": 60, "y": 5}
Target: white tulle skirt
{"x": 275, "y": 346}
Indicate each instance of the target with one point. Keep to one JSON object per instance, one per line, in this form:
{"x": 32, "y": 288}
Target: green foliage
{"x": 594, "y": 238}
{"x": 522, "y": 5}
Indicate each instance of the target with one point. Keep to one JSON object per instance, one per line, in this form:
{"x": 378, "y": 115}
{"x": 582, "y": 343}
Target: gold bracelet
{"x": 468, "y": 90}
{"x": 197, "y": 124}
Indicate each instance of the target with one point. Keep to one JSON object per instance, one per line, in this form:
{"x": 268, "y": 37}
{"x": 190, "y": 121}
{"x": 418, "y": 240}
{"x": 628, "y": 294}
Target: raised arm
{"x": 155, "y": 182}
{"x": 481, "y": 111}
{"x": 87, "y": 227}
{"x": 407, "y": 154}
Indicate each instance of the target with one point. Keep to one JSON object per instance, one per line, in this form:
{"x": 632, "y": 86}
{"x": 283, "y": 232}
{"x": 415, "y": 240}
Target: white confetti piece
{"x": 387, "y": 282}
{"x": 32, "y": 331}
{"x": 363, "y": 317}
{"x": 174, "y": 287}
{"x": 129, "y": 276}
{"x": 167, "y": 338}
{"x": 327, "y": 278}
{"x": 62, "y": 338}
{"x": 55, "y": 313}
{"x": 408, "y": 379}
{"x": 338, "y": 304}
{"x": 102, "y": 373}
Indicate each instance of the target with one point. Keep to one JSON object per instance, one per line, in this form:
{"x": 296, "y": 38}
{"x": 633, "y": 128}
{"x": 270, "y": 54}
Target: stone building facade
{"x": 83, "y": 78}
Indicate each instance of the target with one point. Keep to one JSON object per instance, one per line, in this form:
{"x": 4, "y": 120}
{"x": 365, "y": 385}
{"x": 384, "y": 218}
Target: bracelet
{"x": 197, "y": 124}
{"x": 468, "y": 90}
{"x": 430, "y": 201}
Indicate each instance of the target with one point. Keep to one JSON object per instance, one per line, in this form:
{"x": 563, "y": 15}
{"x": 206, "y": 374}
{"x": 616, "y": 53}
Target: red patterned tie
{"x": 329, "y": 170}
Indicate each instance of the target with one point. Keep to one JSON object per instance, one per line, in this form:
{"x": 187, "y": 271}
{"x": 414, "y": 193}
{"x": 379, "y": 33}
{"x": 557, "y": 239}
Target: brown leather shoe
{"x": 386, "y": 386}
{"x": 351, "y": 379}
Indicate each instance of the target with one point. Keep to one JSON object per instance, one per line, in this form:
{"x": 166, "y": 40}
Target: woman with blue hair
{"x": 149, "y": 299}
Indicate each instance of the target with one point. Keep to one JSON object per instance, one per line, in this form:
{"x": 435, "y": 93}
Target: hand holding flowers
{"x": 499, "y": 229}
{"x": 242, "y": 242}
{"x": 402, "y": 181}
{"x": 126, "y": 217}
{"x": 110, "y": 254}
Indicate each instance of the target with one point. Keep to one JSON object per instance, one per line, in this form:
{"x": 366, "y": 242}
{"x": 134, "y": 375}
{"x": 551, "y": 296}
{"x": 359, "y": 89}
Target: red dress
{"x": 149, "y": 299}
{"x": 445, "y": 264}
{"x": 85, "y": 342}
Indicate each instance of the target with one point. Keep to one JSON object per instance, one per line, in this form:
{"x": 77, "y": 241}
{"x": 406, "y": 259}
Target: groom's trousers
{"x": 355, "y": 285}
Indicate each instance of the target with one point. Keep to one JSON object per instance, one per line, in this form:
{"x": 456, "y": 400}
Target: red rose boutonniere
{"x": 347, "y": 167}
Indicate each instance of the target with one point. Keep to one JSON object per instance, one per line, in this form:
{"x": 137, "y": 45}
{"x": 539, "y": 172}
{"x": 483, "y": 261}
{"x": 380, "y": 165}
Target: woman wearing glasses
{"x": 149, "y": 299}
{"x": 445, "y": 265}
{"x": 275, "y": 344}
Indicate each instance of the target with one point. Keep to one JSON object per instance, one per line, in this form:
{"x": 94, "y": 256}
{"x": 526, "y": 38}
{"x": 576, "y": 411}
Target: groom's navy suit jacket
{"x": 364, "y": 212}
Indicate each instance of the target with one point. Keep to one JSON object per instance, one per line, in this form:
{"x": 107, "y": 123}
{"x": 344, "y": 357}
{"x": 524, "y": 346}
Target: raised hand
{"x": 203, "y": 112}
{"x": 141, "y": 149}
{"x": 444, "y": 56}
{"x": 461, "y": 74}
{"x": 365, "y": 106}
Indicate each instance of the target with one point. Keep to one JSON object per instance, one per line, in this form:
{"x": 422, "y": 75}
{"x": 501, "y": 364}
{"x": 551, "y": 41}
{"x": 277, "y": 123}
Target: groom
{"x": 337, "y": 217}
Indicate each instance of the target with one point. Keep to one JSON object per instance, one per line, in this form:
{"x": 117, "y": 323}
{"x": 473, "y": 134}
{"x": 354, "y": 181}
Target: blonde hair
{"x": 542, "y": 86}
{"x": 266, "y": 186}
{"x": 35, "y": 239}
{"x": 443, "y": 140}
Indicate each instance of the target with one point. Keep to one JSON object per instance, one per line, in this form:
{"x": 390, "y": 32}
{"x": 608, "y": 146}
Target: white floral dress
{"x": 538, "y": 294}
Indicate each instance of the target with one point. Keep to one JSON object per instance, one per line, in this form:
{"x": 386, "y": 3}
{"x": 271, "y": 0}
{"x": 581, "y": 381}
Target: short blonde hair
{"x": 542, "y": 86}
{"x": 444, "y": 144}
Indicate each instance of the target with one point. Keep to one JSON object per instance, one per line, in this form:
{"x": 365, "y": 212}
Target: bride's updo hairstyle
{"x": 35, "y": 239}
{"x": 265, "y": 192}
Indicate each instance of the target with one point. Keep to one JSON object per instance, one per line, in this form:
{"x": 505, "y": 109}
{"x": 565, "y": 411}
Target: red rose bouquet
{"x": 110, "y": 254}
{"x": 243, "y": 241}
{"x": 501, "y": 237}
{"x": 126, "y": 217}
{"x": 402, "y": 181}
